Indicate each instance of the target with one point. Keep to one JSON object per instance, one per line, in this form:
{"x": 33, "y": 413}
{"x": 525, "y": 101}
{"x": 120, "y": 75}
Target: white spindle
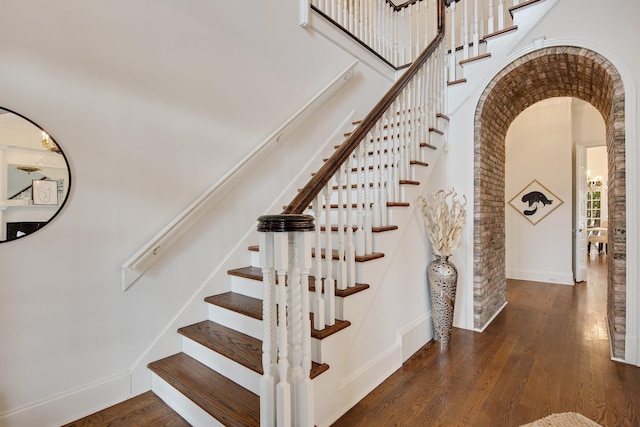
{"x": 465, "y": 29}
{"x": 376, "y": 174}
{"x": 283, "y": 389}
{"x": 361, "y": 165}
{"x": 491, "y": 19}
{"x": 269, "y": 343}
{"x": 418, "y": 20}
{"x": 452, "y": 56}
{"x": 500, "y": 15}
{"x": 318, "y": 307}
{"x": 305, "y": 388}
{"x": 368, "y": 241}
{"x": 341, "y": 264}
{"x": 476, "y": 36}
{"x": 350, "y": 254}
{"x": 329, "y": 282}
{"x": 294, "y": 321}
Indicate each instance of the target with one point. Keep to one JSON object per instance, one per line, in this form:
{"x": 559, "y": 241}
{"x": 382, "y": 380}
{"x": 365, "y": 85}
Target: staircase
{"x": 217, "y": 378}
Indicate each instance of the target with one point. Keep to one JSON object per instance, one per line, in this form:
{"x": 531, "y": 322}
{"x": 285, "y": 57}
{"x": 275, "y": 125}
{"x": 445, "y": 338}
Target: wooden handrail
{"x": 305, "y": 197}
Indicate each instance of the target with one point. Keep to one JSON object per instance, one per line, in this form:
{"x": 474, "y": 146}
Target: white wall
{"x": 538, "y": 147}
{"x": 152, "y": 102}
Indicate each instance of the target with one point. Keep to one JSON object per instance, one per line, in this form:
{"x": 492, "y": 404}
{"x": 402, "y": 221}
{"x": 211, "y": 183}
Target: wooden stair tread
{"x": 444, "y": 116}
{"x": 418, "y": 163}
{"x": 234, "y": 345}
{"x": 501, "y": 32}
{"x": 239, "y": 347}
{"x": 456, "y": 82}
{"x": 522, "y": 6}
{"x": 328, "y": 330}
{"x": 427, "y": 145}
{"x": 222, "y": 398}
{"x": 334, "y": 228}
{"x": 474, "y": 58}
{"x": 255, "y": 273}
{"x": 239, "y": 303}
{"x": 146, "y": 409}
{"x": 359, "y": 258}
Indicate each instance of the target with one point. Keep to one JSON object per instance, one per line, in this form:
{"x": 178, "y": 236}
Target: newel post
{"x": 286, "y": 394}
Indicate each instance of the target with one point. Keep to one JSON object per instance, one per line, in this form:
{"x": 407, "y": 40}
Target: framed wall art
{"x": 535, "y": 202}
{"x": 44, "y": 192}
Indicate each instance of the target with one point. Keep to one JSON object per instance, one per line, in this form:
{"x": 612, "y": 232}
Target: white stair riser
{"x": 232, "y": 370}
{"x": 231, "y": 319}
{"x": 249, "y": 287}
{"x": 186, "y": 408}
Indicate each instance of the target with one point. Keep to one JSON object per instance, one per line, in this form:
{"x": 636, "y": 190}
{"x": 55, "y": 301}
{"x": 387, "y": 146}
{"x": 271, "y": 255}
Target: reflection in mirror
{"x": 34, "y": 177}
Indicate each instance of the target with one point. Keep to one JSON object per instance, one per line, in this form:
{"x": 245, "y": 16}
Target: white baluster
{"x": 294, "y": 321}
{"x": 360, "y": 16}
{"x": 362, "y": 164}
{"x": 329, "y": 283}
{"x": 368, "y": 243}
{"x": 269, "y": 343}
{"x": 305, "y": 390}
{"x": 318, "y": 308}
{"x": 376, "y": 174}
{"x": 341, "y": 264}
{"x": 476, "y": 37}
{"x": 500, "y": 15}
{"x": 465, "y": 30}
{"x": 418, "y": 19}
{"x": 516, "y": 2}
{"x": 491, "y": 19}
{"x": 283, "y": 389}
{"x": 452, "y": 56}
{"x": 350, "y": 253}
{"x": 403, "y": 37}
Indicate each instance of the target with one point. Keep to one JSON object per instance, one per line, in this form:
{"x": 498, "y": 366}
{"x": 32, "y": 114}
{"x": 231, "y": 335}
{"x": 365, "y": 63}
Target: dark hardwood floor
{"x": 145, "y": 410}
{"x": 547, "y": 352}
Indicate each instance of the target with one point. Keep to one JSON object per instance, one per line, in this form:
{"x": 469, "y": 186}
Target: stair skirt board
{"x": 192, "y": 413}
{"x": 354, "y": 387}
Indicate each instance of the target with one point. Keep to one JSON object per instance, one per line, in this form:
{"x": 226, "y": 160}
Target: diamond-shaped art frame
{"x": 535, "y": 202}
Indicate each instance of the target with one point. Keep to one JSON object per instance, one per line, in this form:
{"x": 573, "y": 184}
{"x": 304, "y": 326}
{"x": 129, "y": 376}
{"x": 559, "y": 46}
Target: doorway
{"x": 539, "y": 75}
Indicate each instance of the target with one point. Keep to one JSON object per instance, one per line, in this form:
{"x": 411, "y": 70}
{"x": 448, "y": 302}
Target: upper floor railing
{"x": 395, "y": 33}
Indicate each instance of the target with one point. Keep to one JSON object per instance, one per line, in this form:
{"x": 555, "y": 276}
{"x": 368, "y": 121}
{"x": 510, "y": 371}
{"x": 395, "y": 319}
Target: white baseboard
{"x": 70, "y": 406}
{"x": 541, "y": 276}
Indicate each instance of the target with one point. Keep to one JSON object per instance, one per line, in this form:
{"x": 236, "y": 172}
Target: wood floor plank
{"x": 547, "y": 352}
{"x": 146, "y": 409}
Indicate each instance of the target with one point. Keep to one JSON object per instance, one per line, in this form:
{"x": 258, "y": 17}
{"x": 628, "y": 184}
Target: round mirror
{"x": 34, "y": 176}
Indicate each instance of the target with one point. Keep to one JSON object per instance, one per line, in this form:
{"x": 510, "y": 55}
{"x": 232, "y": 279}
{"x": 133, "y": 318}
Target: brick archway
{"x": 542, "y": 74}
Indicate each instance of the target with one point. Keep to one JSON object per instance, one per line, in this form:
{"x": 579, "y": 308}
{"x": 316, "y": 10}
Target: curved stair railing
{"x": 349, "y": 197}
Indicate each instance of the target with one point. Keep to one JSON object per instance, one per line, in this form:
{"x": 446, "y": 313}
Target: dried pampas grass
{"x": 445, "y": 217}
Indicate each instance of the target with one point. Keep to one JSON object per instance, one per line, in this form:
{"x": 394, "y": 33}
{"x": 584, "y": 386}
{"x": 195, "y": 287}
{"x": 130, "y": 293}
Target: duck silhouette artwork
{"x": 533, "y": 198}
